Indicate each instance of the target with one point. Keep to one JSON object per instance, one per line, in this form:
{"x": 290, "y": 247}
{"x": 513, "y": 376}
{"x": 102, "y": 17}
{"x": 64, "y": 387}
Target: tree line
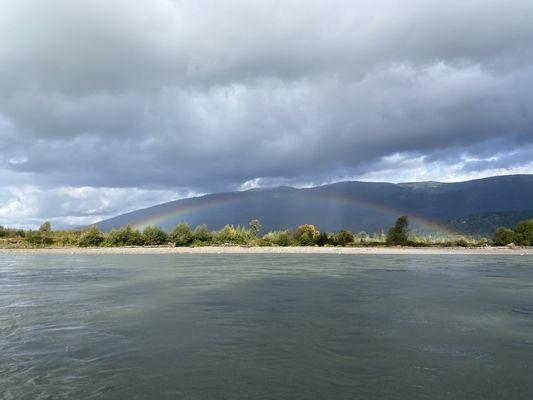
{"x": 181, "y": 235}
{"x": 201, "y": 235}
{"x": 521, "y": 235}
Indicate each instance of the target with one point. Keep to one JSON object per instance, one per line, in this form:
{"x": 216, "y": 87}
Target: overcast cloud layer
{"x": 107, "y": 106}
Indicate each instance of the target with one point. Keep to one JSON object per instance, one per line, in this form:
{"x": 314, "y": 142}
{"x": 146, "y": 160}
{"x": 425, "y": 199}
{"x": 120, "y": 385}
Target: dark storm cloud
{"x": 208, "y": 95}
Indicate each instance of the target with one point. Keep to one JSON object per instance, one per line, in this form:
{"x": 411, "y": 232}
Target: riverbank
{"x": 274, "y": 250}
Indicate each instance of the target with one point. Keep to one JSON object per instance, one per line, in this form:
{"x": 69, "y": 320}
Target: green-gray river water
{"x": 266, "y": 327}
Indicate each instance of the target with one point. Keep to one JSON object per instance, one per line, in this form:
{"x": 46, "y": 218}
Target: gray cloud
{"x": 183, "y": 96}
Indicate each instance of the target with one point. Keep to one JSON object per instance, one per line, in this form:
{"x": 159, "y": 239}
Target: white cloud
{"x": 30, "y": 206}
{"x": 110, "y": 106}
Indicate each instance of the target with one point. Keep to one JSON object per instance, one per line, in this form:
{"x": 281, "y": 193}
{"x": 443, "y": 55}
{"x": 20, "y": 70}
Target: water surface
{"x": 266, "y": 327}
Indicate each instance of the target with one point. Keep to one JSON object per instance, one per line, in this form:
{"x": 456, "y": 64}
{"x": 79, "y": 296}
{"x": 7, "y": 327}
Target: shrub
{"x": 91, "y": 237}
{"x": 322, "y": 239}
{"x": 181, "y": 235}
{"x": 279, "y": 238}
{"x": 123, "y": 237}
{"x": 11, "y": 232}
{"x": 343, "y": 237}
{"x": 154, "y": 236}
{"x": 398, "y": 234}
{"x": 461, "y": 243}
{"x": 503, "y": 236}
{"x": 231, "y": 234}
{"x": 202, "y": 234}
{"x": 284, "y": 239}
{"x": 67, "y": 237}
{"x": 41, "y": 237}
{"x": 264, "y": 243}
{"x": 524, "y": 233}
{"x": 483, "y": 242}
{"x": 36, "y": 238}
{"x": 305, "y": 239}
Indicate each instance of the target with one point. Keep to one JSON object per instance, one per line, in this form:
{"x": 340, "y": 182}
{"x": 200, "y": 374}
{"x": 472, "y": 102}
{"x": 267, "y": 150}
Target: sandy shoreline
{"x": 274, "y": 250}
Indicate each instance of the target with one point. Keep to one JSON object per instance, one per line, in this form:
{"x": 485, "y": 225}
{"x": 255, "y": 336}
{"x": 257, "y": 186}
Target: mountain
{"x": 486, "y": 223}
{"x": 358, "y": 206}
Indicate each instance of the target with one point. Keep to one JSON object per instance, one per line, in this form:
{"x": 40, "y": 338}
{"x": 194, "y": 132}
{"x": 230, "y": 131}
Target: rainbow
{"x": 424, "y": 222}
{"x": 396, "y": 212}
{"x": 157, "y": 219}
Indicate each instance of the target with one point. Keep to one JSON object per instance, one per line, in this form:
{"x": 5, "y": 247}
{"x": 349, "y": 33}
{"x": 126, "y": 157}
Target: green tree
{"x": 12, "y": 232}
{"x": 305, "y": 239}
{"x": 503, "y": 236}
{"x": 154, "y": 236}
{"x": 524, "y": 233}
{"x": 322, "y": 239}
{"x": 40, "y": 237}
{"x": 228, "y": 234}
{"x": 398, "y": 234}
{"x": 310, "y": 230}
{"x": 45, "y": 228}
{"x": 343, "y": 237}
{"x": 181, "y": 235}
{"x": 67, "y": 237}
{"x": 202, "y": 234}
{"x": 91, "y": 237}
{"x": 284, "y": 239}
{"x": 255, "y": 227}
{"x": 123, "y": 237}
{"x": 280, "y": 238}
{"x": 45, "y": 232}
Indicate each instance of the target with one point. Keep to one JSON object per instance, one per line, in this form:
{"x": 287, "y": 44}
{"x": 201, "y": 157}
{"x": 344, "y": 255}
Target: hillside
{"x": 486, "y": 223}
{"x": 358, "y": 206}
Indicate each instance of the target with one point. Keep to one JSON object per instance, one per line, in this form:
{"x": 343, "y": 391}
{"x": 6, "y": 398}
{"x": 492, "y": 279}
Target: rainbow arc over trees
{"x": 157, "y": 219}
{"x": 213, "y": 201}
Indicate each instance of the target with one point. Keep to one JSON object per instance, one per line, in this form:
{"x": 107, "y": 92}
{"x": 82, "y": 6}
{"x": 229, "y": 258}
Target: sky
{"x": 107, "y": 106}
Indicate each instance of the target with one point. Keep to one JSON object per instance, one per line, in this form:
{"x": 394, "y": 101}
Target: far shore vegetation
{"x": 304, "y": 235}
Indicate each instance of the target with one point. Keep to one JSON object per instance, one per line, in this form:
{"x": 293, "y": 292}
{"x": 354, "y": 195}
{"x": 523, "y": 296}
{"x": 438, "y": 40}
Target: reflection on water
{"x": 265, "y": 327}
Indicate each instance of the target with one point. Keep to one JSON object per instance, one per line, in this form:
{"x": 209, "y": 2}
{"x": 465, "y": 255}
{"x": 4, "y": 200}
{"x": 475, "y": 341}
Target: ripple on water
{"x": 528, "y": 311}
{"x": 291, "y": 327}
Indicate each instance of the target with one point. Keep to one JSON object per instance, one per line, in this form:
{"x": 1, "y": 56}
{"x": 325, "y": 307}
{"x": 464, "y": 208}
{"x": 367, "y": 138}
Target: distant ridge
{"x": 486, "y": 223}
{"x": 358, "y": 206}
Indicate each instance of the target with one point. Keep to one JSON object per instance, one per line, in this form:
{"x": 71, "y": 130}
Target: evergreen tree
{"x": 255, "y": 227}
{"x": 398, "y": 234}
